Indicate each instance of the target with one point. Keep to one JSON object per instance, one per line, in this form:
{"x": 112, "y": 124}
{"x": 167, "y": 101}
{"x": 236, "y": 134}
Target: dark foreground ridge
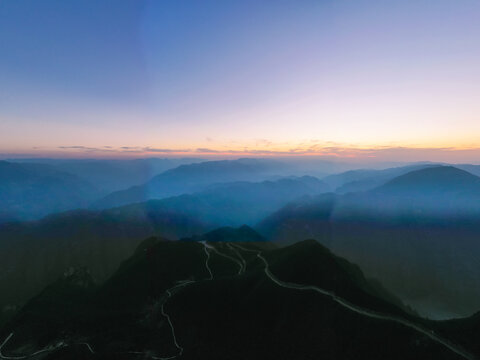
{"x": 223, "y": 299}
{"x": 369, "y": 313}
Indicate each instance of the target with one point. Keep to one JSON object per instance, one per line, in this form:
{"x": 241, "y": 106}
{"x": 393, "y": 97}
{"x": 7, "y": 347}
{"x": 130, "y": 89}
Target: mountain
{"x": 367, "y": 179}
{"x": 227, "y": 233}
{"x": 417, "y": 234}
{"x": 226, "y": 300}
{"x": 35, "y": 253}
{"x": 193, "y": 178}
{"x": 237, "y": 203}
{"x": 30, "y": 191}
{"x": 244, "y": 202}
{"x": 433, "y": 181}
{"x": 113, "y": 175}
{"x": 444, "y": 193}
{"x": 473, "y": 169}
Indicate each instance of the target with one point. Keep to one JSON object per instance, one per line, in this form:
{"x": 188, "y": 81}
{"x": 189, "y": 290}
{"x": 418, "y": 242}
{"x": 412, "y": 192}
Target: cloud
{"x": 124, "y": 149}
{"x": 166, "y": 151}
{"x": 207, "y": 151}
{"x": 84, "y": 148}
{"x": 72, "y": 147}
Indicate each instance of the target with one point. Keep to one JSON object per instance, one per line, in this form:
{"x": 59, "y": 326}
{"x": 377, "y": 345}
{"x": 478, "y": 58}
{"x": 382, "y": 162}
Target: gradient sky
{"x": 395, "y": 79}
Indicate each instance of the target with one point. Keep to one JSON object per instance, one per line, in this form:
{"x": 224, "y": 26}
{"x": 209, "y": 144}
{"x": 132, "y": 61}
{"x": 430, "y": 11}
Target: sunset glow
{"x": 325, "y": 78}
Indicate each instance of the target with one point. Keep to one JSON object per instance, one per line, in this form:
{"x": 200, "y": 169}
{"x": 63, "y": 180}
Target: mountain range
{"x": 192, "y": 178}
{"x": 29, "y": 191}
{"x": 368, "y": 179}
{"x": 35, "y": 253}
{"x": 32, "y": 190}
{"x": 416, "y": 234}
{"x": 112, "y": 175}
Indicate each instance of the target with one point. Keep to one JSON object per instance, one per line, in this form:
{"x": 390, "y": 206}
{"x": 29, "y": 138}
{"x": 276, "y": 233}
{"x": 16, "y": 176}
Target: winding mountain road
{"x": 2, "y": 356}
{"x": 231, "y": 258}
{"x": 205, "y": 247}
{"x": 183, "y": 283}
{"x": 355, "y": 308}
{"x": 244, "y": 263}
{"x": 48, "y": 349}
{"x": 180, "y": 349}
{"x": 89, "y": 347}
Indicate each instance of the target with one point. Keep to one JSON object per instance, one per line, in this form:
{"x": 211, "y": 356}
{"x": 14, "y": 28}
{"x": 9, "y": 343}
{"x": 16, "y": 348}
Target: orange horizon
{"x": 371, "y": 153}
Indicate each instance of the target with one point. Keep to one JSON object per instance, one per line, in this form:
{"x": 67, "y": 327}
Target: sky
{"x": 388, "y": 80}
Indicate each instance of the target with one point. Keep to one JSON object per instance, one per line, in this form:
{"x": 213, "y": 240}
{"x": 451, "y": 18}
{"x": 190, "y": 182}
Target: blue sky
{"x": 332, "y": 78}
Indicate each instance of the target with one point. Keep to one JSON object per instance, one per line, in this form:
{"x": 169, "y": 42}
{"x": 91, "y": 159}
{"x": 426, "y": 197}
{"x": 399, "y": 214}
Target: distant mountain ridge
{"x": 113, "y": 175}
{"x": 30, "y": 191}
{"x": 192, "y": 178}
{"x": 35, "y": 253}
{"x": 433, "y": 181}
{"x": 367, "y": 179}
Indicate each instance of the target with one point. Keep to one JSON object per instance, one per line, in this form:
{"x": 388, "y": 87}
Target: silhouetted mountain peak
{"x": 311, "y": 244}
{"x": 243, "y": 233}
{"x": 433, "y": 180}
{"x": 149, "y": 243}
{"x": 309, "y": 249}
